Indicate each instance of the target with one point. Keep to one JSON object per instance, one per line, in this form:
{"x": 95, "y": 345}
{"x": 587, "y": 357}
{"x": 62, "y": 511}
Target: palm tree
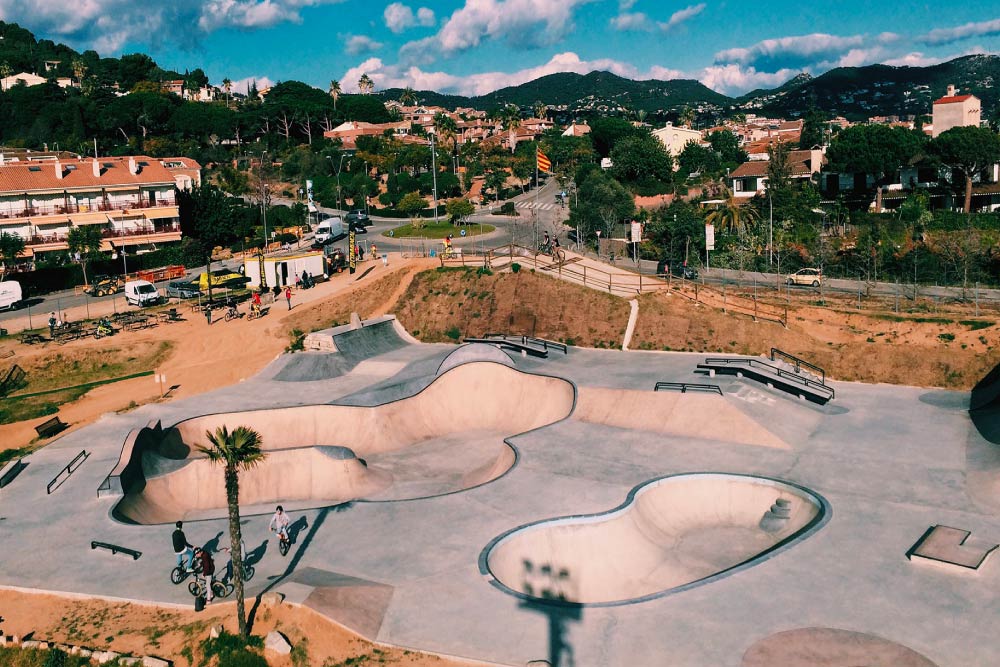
{"x": 510, "y": 120}
{"x": 227, "y": 85}
{"x": 539, "y": 108}
{"x": 237, "y": 450}
{"x": 334, "y": 92}
{"x": 686, "y": 117}
{"x": 365, "y": 84}
{"x": 5, "y": 70}
{"x": 408, "y": 97}
{"x": 731, "y": 216}
{"x": 446, "y": 128}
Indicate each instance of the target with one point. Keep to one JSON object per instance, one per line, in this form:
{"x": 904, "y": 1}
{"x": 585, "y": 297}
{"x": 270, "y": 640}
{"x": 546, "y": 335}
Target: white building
{"x": 955, "y": 111}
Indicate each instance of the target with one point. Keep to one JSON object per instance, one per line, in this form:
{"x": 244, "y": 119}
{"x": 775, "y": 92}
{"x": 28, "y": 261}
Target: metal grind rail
{"x": 70, "y": 468}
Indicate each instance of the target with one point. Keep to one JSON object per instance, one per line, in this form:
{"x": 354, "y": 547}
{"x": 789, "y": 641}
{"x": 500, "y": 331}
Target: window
{"x": 70, "y": 167}
{"x": 34, "y": 168}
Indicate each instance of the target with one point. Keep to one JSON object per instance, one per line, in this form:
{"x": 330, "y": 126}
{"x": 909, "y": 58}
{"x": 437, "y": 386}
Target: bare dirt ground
{"x": 931, "y": 350}
{"x": 133, "y": 629}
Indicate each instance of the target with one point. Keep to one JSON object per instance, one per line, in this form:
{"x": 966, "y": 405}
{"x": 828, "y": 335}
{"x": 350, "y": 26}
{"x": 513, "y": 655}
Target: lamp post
{"x": 263, "y": 212}
{"x": 435, "y": 178}
{"x": 770, "y": 230}
{"x": 339, "y": 167}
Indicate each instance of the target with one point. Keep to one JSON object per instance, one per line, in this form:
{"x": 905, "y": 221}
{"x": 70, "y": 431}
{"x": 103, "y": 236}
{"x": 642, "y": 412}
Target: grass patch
{"x": 439, "y": 231}
{"x": 65, "y": 369}
{"x": 21, "y": 408}
{"x": 947, "y": 337}
{"x": 298, "y": 343}
{"x": 976, "y": 325}
{"x": 920, "y": 320}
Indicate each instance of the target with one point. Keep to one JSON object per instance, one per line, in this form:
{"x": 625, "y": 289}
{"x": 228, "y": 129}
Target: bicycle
{"x": 179, "y": 574}
{"x": 232, "y": 313}
{"x": 256, "y": 312}
{"x": 448, "y": 252}
{"x": 197, "y": 588}
{"x": 555, "y": 252}
{"x": 283, "y": 543}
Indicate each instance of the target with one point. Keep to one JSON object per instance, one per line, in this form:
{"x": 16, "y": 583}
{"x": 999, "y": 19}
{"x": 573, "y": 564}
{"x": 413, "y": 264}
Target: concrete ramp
{"x": 690, "y": 415}
{"x": 984, "y": 406}
{"x": 335, "y": 352}
{"x": 670, "y": 533}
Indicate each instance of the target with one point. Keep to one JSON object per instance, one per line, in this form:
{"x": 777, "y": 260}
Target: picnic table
{"x": 32, "y": 338}
{"x": 135, "y": 322}
{"x": 67, "y": 332}
{"x": 170, "y": 316}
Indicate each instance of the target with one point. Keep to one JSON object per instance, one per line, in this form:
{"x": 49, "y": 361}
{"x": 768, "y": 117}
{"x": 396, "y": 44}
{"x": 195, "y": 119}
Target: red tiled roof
{"x": 797, "y": 160}
{"x": 32, "y": 176}
{"x": 953, "y": 98}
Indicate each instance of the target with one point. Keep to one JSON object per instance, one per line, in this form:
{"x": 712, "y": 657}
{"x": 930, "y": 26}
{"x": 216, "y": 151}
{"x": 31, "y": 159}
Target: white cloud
{"x": 951, "y": 35}
{"x": 625, "y": 5}
{"x": 243, "y": 85}
{"x": 108, "y": 25}
{"x": 358, "y": 44}
{"x": 733, "y": 79}
{"x": 681, "y": 16}
{"x": 425, "y": 17}
{"x": 522, "y": 24}
{"x": 398, "y": 76}
{"x": 632, "y": 21}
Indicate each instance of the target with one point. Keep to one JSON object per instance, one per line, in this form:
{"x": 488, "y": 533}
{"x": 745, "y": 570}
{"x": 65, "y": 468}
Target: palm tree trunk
{"x": 968, "y": 194}
{"x": 236, "y": 542}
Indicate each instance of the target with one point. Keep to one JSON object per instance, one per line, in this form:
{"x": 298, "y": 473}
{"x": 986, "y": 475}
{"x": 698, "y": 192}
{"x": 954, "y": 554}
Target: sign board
{"x": 309, "y": 191}
{"x": 352, "y": 257}
{"x": 636, "y": 231}
{"x": 709, "y": 237}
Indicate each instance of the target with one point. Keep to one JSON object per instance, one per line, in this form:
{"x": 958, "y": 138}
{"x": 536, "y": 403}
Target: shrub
{"x": 453, "y": 333}
{"x": 947, "y": 337}
{"x": 515, "y": 267}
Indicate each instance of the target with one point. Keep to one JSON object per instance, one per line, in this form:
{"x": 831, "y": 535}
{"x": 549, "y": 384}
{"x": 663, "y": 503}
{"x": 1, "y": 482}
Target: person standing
{"x": 208, "y": 571}
{"x": 52, "y": 324}
{"x": 374, "y": 252}
{"x": 385, "y": 259}
{"x": 288, "y": 297}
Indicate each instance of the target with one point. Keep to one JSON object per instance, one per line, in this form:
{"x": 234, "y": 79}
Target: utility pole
{"x": 434, "y": 175}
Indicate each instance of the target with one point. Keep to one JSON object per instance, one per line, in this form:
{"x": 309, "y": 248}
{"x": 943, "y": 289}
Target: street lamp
{"x": 435, "y": 178}
{"x": 339, "y": 167}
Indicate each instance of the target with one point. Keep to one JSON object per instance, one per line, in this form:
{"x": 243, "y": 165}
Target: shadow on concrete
{"x": 549, "y": 587}
{"x": 300, "y": 551}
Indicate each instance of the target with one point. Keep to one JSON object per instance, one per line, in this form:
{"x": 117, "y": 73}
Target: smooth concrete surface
{"x": 891, "y": 461}
{"x": 672, "y": 532}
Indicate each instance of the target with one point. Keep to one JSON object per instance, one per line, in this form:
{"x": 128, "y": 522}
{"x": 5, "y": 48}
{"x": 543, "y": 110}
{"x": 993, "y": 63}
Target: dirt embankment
{"x": 869, "y": 347}
{"x": 133, "y": 629}
{"x": 446, "y": 306}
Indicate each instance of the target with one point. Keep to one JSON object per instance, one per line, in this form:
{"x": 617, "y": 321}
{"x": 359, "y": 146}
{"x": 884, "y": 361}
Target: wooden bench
{"x": 32, "y": 338}
{"x": 50, "y": 427}
{"x": 9, "y": 470}
{"x": 170, "y": 316}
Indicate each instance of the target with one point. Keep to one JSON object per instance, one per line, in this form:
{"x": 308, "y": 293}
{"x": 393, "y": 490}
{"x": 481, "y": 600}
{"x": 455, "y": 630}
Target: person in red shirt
{"x": 288, "y": 297}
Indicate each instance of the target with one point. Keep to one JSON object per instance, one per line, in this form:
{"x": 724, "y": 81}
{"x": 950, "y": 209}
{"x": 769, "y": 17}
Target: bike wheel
{"x": 248, "y": 572}
{"x": 283, "y": 547}
{"x": 177, "y": 575}
{"x": 194, "y": 588}
{"x": 221, "y": 590}
{"x": 229, "y": 315}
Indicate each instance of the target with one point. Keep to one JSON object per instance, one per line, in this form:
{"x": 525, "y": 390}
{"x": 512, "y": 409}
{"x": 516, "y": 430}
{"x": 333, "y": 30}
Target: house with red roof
{"x": 955, "y": 110}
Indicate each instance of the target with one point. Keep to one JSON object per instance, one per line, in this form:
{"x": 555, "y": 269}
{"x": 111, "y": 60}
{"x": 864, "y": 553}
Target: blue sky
{"x": 476, "y": 46}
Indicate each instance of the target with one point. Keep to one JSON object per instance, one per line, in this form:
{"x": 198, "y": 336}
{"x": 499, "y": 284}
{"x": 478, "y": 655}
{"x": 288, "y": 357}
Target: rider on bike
{"x": 279, "y": 523}
{"x": 255, "y": 304}
{"x": 546, "y": 243}
{"x": 447, "y": 245}
{"x": 182, "y": 549}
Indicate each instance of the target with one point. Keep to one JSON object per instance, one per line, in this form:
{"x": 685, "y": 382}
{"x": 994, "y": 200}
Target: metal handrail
{"x": 685, "y": 387}
{"x": 798, "y": 362}
{"x": 525, "y": 339}
{"x": 812, "y": 384}
{"x": 70, "y": 468}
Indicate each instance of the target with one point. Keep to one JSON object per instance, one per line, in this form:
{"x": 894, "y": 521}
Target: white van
{"x": 330, "y": 230}
{"x": 141, "y": 293}
{"x": 10, "y": 294}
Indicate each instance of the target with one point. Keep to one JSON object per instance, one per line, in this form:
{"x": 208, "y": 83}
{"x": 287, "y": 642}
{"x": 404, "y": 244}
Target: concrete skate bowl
{"x": 447, "y": 438}
{"x": 984, "y": 406}
{"x": 830, "y": 647}
{"x": 671, "y": 534}
{"x": 470, "y": 352}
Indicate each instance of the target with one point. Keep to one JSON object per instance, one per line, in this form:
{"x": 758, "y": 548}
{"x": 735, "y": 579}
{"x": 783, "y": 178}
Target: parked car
{"x": 141, "y": 293}
{"x": 811, "y": 277}
{"x": 678, "y": 269}
{"x": 180, "y": 289}
{"x": 10, "y": 294}
{"x": 359, "y": 216}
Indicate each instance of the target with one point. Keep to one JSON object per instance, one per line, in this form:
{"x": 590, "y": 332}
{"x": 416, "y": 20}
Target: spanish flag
{"x": 544, "y": 164}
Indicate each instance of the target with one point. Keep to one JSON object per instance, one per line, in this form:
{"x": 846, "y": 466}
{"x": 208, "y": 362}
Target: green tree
{"x": 603, "y": 203}
{"x": 878, "y": 150}
{"x": 334, "y": 91}
{"x": 643, "y": 160}
{"x": 85, "y": 240}
{"x": 606, "y": 132}
{"x": 698, "y": 158}
{"x": 212, "y": 217}
{"x": 238, "y": 451}
{"x": 412, "y": 204}
{"x": 969, "y": 150}
{"x": 11, "y": 245}
{"x": 365, "y": 84}
{"x": 727, "y": 145}
{"x": 813, "y": 130}
{"x": 408, "y": 97}
{"x": 458, "y": 210}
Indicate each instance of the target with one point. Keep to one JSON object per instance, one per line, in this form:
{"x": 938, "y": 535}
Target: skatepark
{"x": 514, "y": 501}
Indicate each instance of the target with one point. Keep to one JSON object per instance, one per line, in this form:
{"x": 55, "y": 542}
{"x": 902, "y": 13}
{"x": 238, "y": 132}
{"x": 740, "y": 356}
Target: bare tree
{"x": 306, "y": 126}
{"x": 285, "y": 123}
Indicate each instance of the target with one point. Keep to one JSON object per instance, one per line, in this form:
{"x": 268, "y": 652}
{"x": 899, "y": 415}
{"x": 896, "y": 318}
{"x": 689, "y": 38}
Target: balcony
{"x": 22, "y": 211}
{"x": 141, "y": 230}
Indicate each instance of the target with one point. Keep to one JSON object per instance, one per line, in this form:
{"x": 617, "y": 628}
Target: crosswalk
{"x": 535, "y": 205}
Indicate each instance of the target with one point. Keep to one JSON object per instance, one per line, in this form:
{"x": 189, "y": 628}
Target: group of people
{"x": 186, "y": 553}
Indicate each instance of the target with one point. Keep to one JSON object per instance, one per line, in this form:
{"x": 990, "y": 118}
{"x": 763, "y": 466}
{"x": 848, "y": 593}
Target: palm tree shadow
{"x": 300, "y": 551}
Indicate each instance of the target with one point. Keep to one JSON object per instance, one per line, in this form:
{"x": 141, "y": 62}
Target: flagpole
{"x": 534, "y": 211}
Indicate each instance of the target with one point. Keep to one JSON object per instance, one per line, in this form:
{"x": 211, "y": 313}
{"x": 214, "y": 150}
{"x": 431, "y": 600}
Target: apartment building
{"x": 131, "y": 199}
